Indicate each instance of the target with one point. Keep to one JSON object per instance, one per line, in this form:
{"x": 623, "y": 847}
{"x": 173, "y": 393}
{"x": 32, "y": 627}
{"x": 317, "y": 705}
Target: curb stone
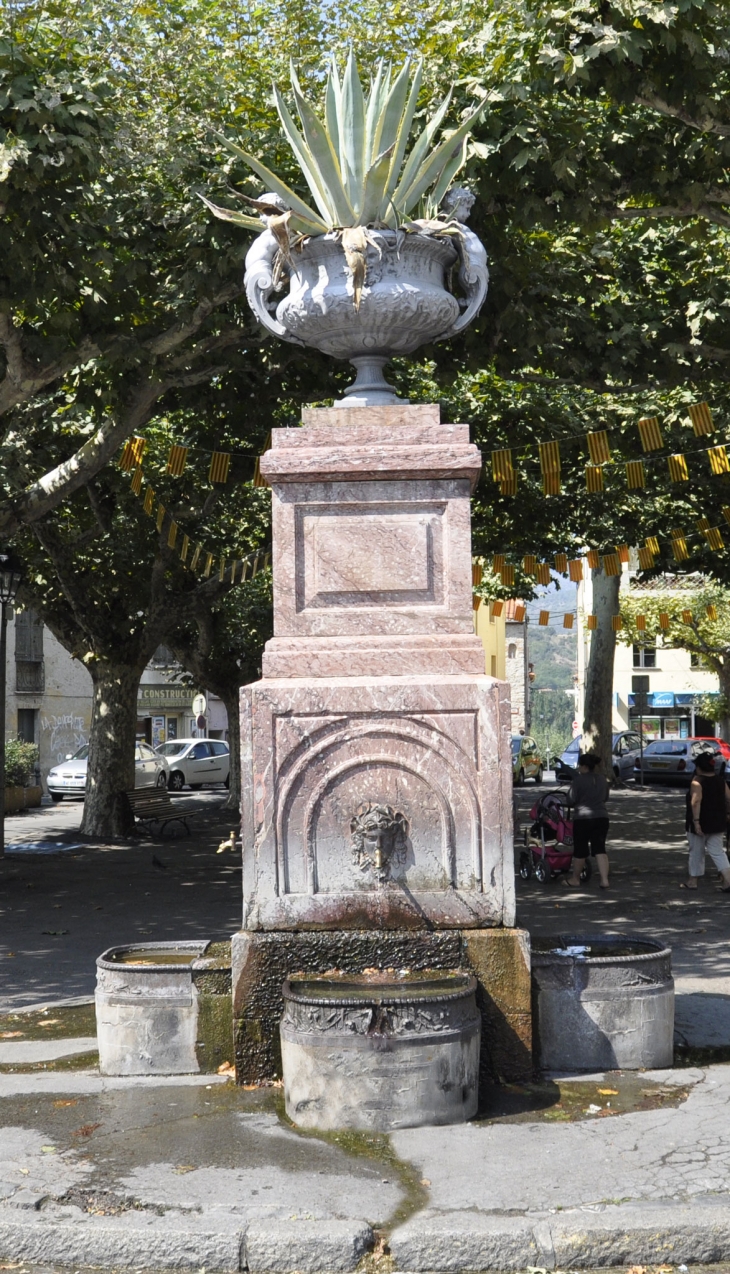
{"x": 278, "y": 1247}
{"x": 696, "y": 1233}
{"x": 271, "y": 1247}
{"x": 74, "y": 1244}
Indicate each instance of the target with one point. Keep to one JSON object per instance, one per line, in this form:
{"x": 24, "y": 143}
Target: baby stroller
{"x": 549, "y": 841}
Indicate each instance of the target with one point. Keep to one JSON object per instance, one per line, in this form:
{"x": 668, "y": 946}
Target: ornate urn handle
{"x": 259, "y": 284}
{"x": 474, "y": 279}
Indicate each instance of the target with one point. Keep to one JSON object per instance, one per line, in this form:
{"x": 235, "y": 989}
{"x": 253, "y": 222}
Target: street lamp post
{"x": 10, "y": 581}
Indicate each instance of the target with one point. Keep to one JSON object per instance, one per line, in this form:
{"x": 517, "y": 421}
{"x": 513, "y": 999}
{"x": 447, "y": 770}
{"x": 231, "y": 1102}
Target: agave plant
{"x": 354, "y": 160}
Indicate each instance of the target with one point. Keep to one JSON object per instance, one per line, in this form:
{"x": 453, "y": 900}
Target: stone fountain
{"x": 377, "y": 784}
{"x": 377, "y": 779}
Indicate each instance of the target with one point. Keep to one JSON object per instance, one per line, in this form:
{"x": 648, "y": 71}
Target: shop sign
{"x": 151, "y": 699}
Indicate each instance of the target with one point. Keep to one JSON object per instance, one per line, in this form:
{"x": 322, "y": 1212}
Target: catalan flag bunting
{"x": 714, "y": 538}
{"x": 196, "y": 556}
{"x": 502, "y": 467}
{"x": 575, "y": 570}
{"x": 703, "y": 524}
{"x": 641, "y": 623}
{"x": 132, "y": 453}
{"x": 508, "y": 486}
{"x": 160, "y": 516}
{"x": 542, "y": 573}
{"x": 260, "y": 481}
{"x": 498, "y": 562}
{"x": 612, "y": 564}
{"x": 686, "y": 616}
{"x": 149, "y": 501}
{"x": 701, "y": 417}
{"x": 137, "y": 480}
{"x": 712, "y": 613}
{"x": 561, "y": 563}
{"x": 598, "y": 448}
{"x": 184, "y": 548}
{"x": 646, "y": 559}
{"x": 208, "y": 565}
{"x": 726, "y": 513}
{"x": 623, "y": 553}
{"x": 567, "y": 620}
{"x": 550, "y": 466}
{"x": 220, "y": 463}
{"x": 718, "y": 460}
{"x": 508, "y": 575}
{"x": 177, "y": 460}
{"x": 617, "y": 623}
{"x": 476, "y": 601}
{"x": 678, "y": 471}
{"x": 222, "y": 569}
{"x": 544, "y": 618}
{"x": 652, "y": 544}
{"x": 664, "y": 620}
{"x": 635, "y": 475}
{"x": 519, "y": 614}
{"x": 650, "y": 433}
{"x": 593, "y": 559}
{"x": 172, "y": 535}
{"x": 592, "y": 623}
{"x": 679, "y": 547}
{"x": 477, "y": 573}
{"x": 594, "y": 478}
{"x": 497, "y": 608}
{"x": 529, "y": 564}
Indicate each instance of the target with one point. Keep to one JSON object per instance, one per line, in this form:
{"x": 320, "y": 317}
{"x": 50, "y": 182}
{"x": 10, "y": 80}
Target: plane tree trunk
{"x": 597, "y": 713}
{"x": 110, "y": 770}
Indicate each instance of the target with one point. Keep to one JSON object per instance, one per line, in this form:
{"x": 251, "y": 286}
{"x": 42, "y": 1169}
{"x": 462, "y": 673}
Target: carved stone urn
{"x": 405, "y": 302}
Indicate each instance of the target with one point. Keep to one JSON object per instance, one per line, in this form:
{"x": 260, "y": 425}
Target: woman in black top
{"x": 708, "y": 808}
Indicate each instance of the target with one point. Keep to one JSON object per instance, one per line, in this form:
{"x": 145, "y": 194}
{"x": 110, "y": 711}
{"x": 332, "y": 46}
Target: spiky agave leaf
{"x": 306, "y": 160}
{"x": 310, "y": 222}
{"x": 226, "y": 214}
{"x": 323, "y": 155}
{"x": 352, "y": 135}
{"x": 432, "y": 167}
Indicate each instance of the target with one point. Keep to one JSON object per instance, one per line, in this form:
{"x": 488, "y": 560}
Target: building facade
{"x": 49, "y": 697}
{"x": 677, "y": 683}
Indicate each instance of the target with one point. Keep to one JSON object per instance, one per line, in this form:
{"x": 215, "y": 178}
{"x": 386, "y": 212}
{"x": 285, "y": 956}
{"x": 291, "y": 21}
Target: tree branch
{"x": 703, "y": 124}
{"x": 669, "y": 210}
{"x": 22, "y": 379}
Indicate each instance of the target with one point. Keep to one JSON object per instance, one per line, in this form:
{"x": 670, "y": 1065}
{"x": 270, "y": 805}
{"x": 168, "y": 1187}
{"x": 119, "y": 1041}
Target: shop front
{"x": 164, "y": 712}
{"x": 671, "y": 715}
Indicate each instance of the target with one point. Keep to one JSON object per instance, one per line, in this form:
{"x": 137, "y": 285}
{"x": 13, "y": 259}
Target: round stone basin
{"x": 603, "y": 1003}
{"x": 380, "y": 1050}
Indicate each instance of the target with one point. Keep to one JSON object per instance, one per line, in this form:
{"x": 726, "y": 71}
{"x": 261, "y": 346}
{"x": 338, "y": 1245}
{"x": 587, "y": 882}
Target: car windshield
{"x": 704, "y": 746}
{"x": 574, "y": 746}
{"x": 171, "y": 749}
{"x": 666, "y": 747}
{"x": 516, "y": 745}
{"x": 82, "y": 754}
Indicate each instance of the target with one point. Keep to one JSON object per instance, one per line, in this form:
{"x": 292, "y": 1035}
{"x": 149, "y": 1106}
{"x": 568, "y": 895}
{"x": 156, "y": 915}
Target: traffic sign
{"x": 200, "y": 703}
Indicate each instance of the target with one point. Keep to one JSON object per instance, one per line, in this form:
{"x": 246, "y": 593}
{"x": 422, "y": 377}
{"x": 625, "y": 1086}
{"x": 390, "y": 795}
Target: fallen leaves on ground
{"x": 10, "y": 1035}
{"x": 227, "y": 1069}
{"x": 85, "y": 1130}
{"x": 69, "y": 1101}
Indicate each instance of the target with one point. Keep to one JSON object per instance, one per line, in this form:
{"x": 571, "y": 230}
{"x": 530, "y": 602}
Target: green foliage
{"x": 552, "y": 719}
{"x": 20, "y": 760}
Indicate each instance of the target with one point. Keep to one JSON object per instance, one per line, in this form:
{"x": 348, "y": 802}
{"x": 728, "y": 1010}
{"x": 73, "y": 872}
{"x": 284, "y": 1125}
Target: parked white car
{"x": 69, "y": 778}
{"x": 195, "y": 762}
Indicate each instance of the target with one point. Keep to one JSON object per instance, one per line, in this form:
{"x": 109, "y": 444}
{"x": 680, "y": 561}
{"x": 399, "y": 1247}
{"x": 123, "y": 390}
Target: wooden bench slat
{"x": 153, "y": 805}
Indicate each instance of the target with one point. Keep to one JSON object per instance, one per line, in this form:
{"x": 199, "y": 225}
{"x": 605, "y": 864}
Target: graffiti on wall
{"x": 68, "y": 733}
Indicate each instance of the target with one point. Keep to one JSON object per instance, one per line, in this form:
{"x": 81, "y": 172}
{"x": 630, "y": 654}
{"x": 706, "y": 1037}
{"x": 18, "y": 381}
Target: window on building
{"x": 512, "y": 651}
{"x": 26, "y": 724}
{"x": 645, "y": 656}
{"x": 697, "y": 661}
{"x": 28, "y": 652}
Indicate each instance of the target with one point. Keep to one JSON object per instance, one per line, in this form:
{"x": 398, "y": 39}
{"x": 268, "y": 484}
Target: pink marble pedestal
{"x": 373, "y": 695}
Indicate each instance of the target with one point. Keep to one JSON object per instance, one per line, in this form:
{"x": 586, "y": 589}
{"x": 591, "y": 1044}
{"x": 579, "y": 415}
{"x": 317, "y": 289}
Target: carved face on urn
{"x": 379, "y": 839}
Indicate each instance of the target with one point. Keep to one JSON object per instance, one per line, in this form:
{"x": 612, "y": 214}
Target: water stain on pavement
{"x": 565, "y": 1101}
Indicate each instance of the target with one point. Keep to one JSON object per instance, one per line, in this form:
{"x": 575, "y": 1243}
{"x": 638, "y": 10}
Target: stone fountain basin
{"x": 163, "y": 1008}
{"x": 380, "y": 1050}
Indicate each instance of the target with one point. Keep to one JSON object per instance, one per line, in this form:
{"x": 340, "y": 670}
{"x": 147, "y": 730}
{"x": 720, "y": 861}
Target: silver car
{"x": 69, "y": 778}
{"x": 195, "y": 762}
{"x": 673, "y": 760}
{"x": 625, "y": 748}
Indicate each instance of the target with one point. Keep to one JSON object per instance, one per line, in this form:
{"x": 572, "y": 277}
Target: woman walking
{"x": 588, "y": 794}
{"x": 708, "y": 809}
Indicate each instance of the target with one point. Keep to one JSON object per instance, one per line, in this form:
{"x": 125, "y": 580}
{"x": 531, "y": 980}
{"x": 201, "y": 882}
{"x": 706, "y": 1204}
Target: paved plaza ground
{"x": 189, "y": 1173}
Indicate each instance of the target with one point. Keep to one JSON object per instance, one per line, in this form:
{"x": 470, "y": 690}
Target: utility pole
{"x": 640, "y": 690}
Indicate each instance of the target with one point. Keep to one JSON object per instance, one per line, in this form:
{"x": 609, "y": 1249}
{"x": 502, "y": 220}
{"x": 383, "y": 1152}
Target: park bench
{"x": 153, "y": 805}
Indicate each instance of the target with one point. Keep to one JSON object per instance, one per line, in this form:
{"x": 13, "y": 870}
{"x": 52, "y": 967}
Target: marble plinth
{"x": 376, "y": 757}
